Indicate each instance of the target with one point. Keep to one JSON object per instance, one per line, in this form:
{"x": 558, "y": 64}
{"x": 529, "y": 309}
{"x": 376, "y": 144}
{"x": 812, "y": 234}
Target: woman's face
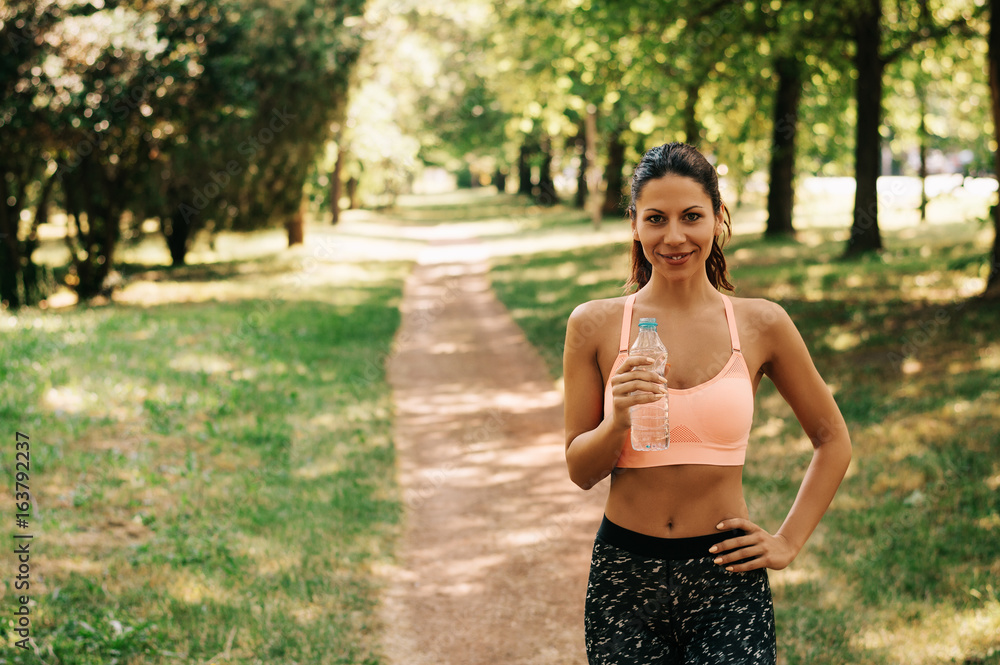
{"x": 675, "y": 223}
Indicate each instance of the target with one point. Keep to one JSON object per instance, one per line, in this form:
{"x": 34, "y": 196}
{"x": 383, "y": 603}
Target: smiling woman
{"x": 678, "y": 573}
{"x": 677, "y": 234}
{"x": 668, "y": 177}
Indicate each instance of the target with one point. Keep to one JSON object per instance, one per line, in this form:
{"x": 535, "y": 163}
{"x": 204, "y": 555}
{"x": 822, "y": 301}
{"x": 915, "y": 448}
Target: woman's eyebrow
{"x": 656, "y": 210}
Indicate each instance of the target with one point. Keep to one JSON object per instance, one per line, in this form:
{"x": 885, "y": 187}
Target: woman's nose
{"x": 674, "y": 234}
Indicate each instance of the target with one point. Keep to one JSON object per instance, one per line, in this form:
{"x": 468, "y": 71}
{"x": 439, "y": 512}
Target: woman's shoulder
{"x": 755, "y": 306}
{"x": 761, "y": 314}
{"x": 593, "y": 322}
{"x": 598, "y": 311}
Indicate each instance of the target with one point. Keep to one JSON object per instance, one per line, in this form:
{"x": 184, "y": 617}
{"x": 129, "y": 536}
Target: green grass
{"x": 212, "y": 478}
{"x": 905, "y": 566}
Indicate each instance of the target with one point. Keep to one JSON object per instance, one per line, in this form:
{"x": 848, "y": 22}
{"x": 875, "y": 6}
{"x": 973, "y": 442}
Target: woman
{"x": 678, "y": 570}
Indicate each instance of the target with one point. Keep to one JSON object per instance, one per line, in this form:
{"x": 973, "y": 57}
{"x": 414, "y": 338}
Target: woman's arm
{"x": 789, "y": 365}
{"x": 594, "y": 439}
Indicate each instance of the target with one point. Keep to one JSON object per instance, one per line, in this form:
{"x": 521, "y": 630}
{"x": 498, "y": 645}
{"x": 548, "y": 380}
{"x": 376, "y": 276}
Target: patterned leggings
{"x": 662, "y": 600}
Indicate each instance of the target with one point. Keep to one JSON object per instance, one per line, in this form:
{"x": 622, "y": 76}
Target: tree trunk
{"x": 546, "y": 187}
{"x": 524, "y": 170}
{"x": 993, "y": 62}
{"x": 90, "y": 192}
{"x": 9, "y": 275}
{"x": 10, "y": 267}
{"x": 37, "y": 280}
{"x": 692, "y": 130}
{"x": 922, "y": 132}
{"x": 178, "y": 239}
{"x": 335, "y": 185}
{"x": 500, "y": 180}
{"x": 352, "y": 193}
{"x": 594, "y": 201}
{"x": 616, "y": 163}
{"x": 99, "y": 260}
{"x": 580, "y": 199}
{"x": 21, "y": 282}
{"x": 781, "y": 192}
{"x": 865, "y": 236}
{"x": 179, "y": 224}
{"x": 296, "y": 225}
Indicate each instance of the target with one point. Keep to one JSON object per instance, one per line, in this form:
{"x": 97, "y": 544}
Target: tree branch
{"x": 927, "y": 33}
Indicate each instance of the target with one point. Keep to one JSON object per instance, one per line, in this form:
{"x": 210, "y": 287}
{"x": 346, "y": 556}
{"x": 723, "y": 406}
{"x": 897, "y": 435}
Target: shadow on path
{"x": 494, "y": 557}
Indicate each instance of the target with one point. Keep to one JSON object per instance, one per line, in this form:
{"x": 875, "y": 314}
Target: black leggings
{"x": 662, "y": 600}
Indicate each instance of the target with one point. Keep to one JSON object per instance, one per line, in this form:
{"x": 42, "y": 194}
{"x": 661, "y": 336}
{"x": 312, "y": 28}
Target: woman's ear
{"x": 718, "y": 220}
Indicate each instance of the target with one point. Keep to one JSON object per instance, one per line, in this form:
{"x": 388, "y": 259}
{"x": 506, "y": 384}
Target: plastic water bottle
{"x": 650, "y": 427}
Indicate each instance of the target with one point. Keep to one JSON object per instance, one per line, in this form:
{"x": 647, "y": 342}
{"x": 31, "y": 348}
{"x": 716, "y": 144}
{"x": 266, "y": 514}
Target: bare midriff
{"x": 679, "y": 501}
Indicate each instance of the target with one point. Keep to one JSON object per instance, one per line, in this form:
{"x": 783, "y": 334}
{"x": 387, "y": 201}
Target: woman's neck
{"x": 680, "y": 295}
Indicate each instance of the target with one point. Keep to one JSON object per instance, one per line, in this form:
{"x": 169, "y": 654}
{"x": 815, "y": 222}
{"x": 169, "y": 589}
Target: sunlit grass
{"x": 904, "y": 567}
{"x": 214, "y": 479}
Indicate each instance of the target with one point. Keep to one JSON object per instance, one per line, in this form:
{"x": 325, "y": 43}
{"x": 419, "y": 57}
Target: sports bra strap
{"x": 731, "y": 318}
{"x": 626, "y": 324}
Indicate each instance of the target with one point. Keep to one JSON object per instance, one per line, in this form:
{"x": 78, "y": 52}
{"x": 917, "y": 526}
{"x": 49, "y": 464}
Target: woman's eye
{"x": 693, "y": 216}
{"x": 654, "y": 219}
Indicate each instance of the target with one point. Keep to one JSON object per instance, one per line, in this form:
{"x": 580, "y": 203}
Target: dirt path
{"x": 494, "y": 558}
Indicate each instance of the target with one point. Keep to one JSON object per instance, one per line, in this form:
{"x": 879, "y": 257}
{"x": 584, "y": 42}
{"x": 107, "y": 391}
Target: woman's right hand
{"x": 632, "y": 384}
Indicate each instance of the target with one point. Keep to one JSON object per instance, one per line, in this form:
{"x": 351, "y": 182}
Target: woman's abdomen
{"x": 676, "y": 501}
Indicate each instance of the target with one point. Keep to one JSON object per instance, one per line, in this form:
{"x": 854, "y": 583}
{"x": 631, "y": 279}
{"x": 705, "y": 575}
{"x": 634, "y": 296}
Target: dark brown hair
{"x": 683, "y": 160}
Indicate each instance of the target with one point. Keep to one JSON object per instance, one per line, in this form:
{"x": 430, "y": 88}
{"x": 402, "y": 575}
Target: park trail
{"x": 493, "y": 559}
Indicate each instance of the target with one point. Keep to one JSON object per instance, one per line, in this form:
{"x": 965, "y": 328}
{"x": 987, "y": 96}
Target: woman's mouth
{"x": 678, "y": 258}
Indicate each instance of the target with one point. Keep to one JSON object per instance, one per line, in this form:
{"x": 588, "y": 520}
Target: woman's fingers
{"x": 636, "y": 368}
{"x": 738, "y": 523}
{"x": 632, "y": 362}
{"x": 633, "y": 384}
{"x": 637, "y": 385}
{"x": 756, "y": 549}
{"x": 640, "y": 397}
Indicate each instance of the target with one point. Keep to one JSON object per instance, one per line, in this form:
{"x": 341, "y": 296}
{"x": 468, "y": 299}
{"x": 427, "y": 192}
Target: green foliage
{"x": 199, "y": 114}
{"x": 956, "y": 99}
{"x": 214, "y": 114}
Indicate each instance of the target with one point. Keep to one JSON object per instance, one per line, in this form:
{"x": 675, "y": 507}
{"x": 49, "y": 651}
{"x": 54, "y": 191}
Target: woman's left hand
{"x": 764, "y": 550}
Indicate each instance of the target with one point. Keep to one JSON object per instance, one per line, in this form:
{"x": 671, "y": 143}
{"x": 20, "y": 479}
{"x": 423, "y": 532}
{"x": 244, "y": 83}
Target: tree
{"x": 301, "y": 58}
{"x": 101, "y": 144}
{"x": 869, "y": 63}
{"x": 613, "y": 173}
{"x": 26, "y": 181}
{"x": 201, "y": 148}
{"x": 993, "y": 63}
{"x": 793, "y": 30}
{"x": 203, "y": 114}
{"x": 873, "y": 52}
{"x": 781, "y": 192}
{"x": 938, "y": 99}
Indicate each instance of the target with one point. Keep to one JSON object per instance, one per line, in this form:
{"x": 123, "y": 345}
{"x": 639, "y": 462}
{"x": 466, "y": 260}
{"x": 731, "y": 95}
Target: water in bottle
{"x": 650, "y": 429}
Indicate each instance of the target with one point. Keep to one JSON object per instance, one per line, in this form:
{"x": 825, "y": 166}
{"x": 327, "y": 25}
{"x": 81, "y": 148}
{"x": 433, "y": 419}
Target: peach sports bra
{"x": 709, "y": 423}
